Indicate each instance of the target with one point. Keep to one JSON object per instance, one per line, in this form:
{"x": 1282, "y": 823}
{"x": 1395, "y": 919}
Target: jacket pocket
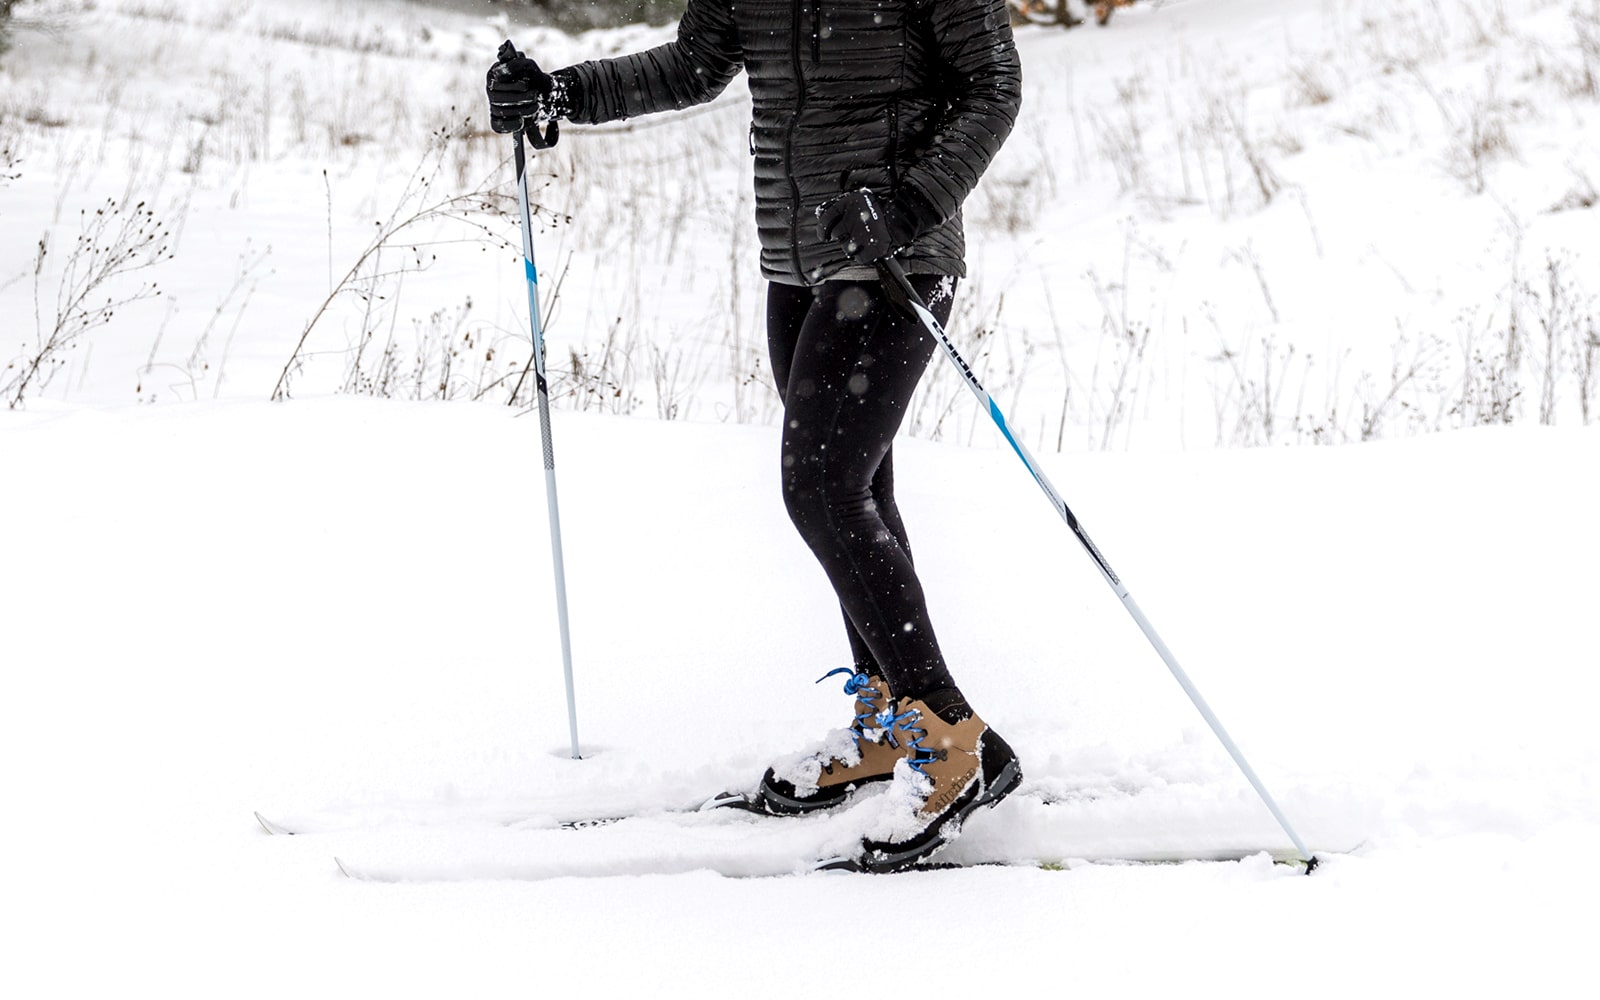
{"x": 876, "y": 178}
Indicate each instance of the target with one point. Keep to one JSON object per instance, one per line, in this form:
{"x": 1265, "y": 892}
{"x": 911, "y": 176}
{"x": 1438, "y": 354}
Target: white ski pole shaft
{"x": 900, "y": 290}
{"x": 542, "y": 391}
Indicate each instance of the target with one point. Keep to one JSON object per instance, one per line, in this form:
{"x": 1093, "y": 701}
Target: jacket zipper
{"x": 788, "y": 139}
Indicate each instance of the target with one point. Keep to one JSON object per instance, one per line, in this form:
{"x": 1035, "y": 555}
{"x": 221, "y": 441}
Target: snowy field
{"x": 1221, "y": 223}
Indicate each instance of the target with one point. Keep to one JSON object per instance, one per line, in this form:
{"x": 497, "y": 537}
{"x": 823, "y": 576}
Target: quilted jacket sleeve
{"x": 984, "y": 77}
{"x": 690, "y": 70}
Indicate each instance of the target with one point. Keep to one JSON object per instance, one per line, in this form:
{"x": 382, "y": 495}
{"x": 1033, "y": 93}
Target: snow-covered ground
{"x": 338, "y": 610}
{"x": 339, "y": 613}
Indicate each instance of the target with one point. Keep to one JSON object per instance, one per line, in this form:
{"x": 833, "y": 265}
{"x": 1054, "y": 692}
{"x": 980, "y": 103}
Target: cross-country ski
{"x": 735, "y": 867}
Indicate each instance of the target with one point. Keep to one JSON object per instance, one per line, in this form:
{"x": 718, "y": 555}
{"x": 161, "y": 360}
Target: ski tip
{"x": 733, "y": 800}
{"x": 273, "y": 828}
{"x": 839, "y": 864}
{"x": 589, "y": 822}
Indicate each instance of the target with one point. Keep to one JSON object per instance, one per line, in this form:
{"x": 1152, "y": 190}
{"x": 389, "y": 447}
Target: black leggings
{"x": 846, "y": 362}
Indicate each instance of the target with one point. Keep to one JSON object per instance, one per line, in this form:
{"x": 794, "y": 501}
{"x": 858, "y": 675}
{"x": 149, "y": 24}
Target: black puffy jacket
{"x": 910, "y": 98}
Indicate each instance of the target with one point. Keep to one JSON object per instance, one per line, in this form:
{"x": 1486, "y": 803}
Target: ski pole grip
{"x": 537, "y": 139}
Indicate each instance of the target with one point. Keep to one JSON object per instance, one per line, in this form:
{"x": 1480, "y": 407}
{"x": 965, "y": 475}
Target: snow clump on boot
{"x": 804, "y": 769}
{"x": 898, "y": 814}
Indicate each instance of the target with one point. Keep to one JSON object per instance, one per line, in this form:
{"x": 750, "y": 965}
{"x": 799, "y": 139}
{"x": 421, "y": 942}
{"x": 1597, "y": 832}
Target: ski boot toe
{"x": 957, "y": 764}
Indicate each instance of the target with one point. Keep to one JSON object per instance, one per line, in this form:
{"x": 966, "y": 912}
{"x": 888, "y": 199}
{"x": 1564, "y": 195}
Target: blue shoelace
{"x": 857, "y": 683}
{"x": 891, "y": 723}
{"x": 906, "y": 722}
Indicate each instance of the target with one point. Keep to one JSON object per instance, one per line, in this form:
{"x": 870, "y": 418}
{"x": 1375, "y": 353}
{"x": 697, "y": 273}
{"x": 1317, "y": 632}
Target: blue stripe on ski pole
{"x": 1000, "y": 421}
{"x": 533, "y": 275}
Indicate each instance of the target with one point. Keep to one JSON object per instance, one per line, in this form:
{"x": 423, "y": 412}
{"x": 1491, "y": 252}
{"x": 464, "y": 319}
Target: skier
{"x": 872, "y": 121}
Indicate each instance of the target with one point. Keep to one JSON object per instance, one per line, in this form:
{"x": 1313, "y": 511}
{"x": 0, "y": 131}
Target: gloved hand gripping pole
{"x": 542, "y": 391}
{"x": 903, "y": 295}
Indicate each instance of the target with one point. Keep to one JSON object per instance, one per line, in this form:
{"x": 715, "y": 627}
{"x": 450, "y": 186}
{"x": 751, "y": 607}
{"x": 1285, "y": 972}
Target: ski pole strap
{"x": 898, "y": 286}
{"x": 542, "y": 140}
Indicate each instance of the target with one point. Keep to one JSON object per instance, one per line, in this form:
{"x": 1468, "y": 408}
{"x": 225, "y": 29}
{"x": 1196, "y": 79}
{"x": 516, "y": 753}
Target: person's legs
{"x": 847, "y": 362}
{"x": 787, "y": 309}
{"x": 820, "y": 341}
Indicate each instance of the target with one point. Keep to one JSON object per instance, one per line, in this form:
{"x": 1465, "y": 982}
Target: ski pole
{"x": 903, "y": 295}
{"x": 542, "y": 390}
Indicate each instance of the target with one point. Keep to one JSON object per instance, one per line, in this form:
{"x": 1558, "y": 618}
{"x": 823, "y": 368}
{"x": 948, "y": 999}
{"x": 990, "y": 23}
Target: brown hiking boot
{"x": 849, "y": 758}
{"x": 956, "y": 764}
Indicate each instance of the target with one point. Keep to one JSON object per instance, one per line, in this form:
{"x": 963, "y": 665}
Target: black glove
{"x": 868, "y": 229}
{"x": 518, "y": 90}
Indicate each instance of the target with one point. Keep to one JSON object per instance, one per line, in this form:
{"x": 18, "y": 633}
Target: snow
{"x": 895, "y": 818}
{"x": 338, "y": 610}
{"x": 803, "y": 768}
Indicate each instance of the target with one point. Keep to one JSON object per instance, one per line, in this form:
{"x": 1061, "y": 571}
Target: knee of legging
{"x": 818, "y": 502}
{"x": 804, "y": 497}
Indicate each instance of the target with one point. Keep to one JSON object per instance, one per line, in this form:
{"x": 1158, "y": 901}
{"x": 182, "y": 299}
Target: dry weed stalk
{"x": 114, "y": 243}
{"x": 419, "y": 204}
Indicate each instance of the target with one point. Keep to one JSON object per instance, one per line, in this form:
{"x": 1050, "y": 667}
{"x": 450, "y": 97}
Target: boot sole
{"x": 778, "y": 804}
